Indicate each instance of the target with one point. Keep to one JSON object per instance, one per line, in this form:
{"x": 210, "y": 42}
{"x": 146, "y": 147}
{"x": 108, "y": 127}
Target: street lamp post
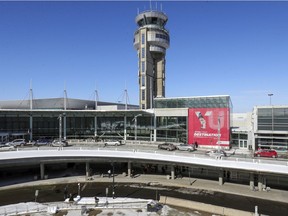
{"x": 135, "y": 130}
{"x": 113, "y": 185}
{"x": 79, "y": 189}
{"x": 270, "y": 95}
{"x": 60, "y": 127}
{"x": 272, "y": 118}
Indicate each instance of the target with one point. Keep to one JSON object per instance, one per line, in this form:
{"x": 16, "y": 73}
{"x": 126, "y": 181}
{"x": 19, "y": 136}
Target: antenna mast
{"x": 31, "y": 95}
{"x": 126, "y": 99}
{"x": 96, "y": 99}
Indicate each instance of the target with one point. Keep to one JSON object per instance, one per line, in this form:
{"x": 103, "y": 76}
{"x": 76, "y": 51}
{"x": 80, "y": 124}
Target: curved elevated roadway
{"x": 254, "y": 167}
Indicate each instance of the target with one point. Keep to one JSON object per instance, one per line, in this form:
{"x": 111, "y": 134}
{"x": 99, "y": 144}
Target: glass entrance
{"x": 242, "y": 144}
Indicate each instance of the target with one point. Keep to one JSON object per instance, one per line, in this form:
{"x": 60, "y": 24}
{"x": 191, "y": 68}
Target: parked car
{"x": 5, "y": 147}
{"x": 43, "y": 141}
{"x": 30, "y": 143}
{"x": 112, "y": 142}
{"x": 266, "y": 153}
{"x": 17, "y": 142}
{"x": 59, "y": 143}
{"x": 186, "y": 147}
{"x": 167, "y": 146}
{"x": 215, "y": 153}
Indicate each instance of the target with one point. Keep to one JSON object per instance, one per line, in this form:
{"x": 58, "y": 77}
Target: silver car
{"x": 17, "y": 142}
{"x": 216, "y": 153}
{"x": 5, "y": 147}
{"x": 112, "y": 142}
{"x": 59, "y": 143}
{"x": 186, "y": 147}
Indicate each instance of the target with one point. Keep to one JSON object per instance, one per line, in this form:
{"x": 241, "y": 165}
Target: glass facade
{"x": 273, "y": 119}
{"x": 162, "y": 36}
{"x": 14, "y": 123}
{"x": 172, "y": 128}
{"x": 194, "y": 102}
{"x": 272, "y": 128}
{"x": 79, "y": 125}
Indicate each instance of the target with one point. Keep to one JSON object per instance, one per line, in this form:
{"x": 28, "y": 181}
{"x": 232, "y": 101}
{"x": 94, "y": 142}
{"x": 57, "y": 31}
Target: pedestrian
{"x": 109, "y": 173}
{"x": 65, "y": 193}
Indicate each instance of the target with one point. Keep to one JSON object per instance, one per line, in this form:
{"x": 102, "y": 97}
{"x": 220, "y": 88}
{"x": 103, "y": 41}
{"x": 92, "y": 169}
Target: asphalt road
{"x": 153, "y": 147}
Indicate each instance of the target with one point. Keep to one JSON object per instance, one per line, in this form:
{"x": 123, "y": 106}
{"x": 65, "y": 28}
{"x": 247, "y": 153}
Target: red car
{"x": 266, "y": 153}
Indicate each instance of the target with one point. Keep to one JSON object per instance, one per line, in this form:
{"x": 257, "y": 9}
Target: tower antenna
{"x": 31, "y": 95}
{"x": 96, "y": 99}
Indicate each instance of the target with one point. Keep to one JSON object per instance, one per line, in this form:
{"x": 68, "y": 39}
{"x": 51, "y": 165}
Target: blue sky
{"x": 217, "y": 48}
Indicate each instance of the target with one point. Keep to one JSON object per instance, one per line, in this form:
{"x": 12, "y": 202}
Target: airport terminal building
{"x": 189, "y": 119}
{"x": 208, "y": 121}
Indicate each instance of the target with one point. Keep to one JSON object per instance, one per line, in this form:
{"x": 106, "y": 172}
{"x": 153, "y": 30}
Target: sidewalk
{"x": 154, "y": 180}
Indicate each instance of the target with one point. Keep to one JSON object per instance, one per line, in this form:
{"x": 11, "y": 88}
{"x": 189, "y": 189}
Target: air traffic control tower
{"x": 151, "y": 40}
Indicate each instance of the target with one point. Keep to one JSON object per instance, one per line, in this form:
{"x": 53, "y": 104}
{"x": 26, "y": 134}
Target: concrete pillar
{"x": 155, "y": 131}
{"x": 42, "y": 170}
{"x": 260, "y": 182}
{"x": 251, "y": 181}
{"x": 129, "y": 169}
{"x": 125, "y": 130}
{"x": 64, "y": 127}
{"x": 87, "y": 169}
{"x": 31, "y": 128}
{"x": 221, "y": 177}
{"x": 264, "y": 182}
{"x": 95, "y": 126}
{"x": 173, "y": 172}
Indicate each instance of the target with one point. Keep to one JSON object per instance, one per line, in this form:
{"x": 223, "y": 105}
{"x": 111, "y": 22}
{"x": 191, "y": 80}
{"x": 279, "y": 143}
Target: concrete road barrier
{"x": 203, "y": 207}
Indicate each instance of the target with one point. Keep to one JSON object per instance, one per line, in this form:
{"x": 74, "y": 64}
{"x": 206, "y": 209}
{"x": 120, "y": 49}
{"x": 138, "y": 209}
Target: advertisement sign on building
{"x": 209, "y": 126}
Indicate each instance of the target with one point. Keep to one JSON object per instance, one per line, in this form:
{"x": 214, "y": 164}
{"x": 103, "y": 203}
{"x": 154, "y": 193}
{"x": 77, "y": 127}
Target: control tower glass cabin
{"x": 151, "y": 40}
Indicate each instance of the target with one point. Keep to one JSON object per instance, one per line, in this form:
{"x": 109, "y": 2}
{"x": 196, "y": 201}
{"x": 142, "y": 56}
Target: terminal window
{"x": 143, "y": 52}
{"x": 143, "y": 39}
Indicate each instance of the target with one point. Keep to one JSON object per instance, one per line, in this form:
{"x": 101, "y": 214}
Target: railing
{"x": 34, "y": 207}
{"x": 274, "y": 161}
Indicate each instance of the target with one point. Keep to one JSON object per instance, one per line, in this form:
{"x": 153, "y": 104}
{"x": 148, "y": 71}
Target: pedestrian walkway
{"x": 161, "y": 180}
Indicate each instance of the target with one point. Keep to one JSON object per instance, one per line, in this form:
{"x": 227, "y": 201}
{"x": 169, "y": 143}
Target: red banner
{"x": 209, "y": 126}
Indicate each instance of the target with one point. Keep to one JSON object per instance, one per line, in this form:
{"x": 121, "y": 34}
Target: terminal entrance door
{"x": 242, "y": 144}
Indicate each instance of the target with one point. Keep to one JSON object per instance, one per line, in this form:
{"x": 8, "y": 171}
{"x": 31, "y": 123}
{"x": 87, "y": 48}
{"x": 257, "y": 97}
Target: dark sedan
{"x": 43, "y": 142}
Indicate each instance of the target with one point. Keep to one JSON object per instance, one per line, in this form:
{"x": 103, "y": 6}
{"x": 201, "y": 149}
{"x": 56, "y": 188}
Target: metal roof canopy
{"x": 92, "y": 113}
